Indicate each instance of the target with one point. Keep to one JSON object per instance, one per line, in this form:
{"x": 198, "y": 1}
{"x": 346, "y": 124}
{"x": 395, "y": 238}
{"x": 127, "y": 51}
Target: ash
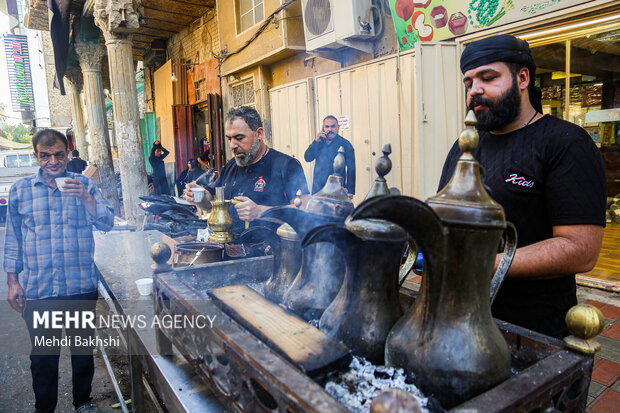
{"x": 314, "y": 322}
{"x": 356, "y": 387}
{"x": 259, "y": 287}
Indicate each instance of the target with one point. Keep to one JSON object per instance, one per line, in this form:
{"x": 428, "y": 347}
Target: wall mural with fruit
{"x": 437, "y": 20}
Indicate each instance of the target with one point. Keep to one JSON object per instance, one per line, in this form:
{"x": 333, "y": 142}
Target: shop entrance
{"x": 578, "y": 70}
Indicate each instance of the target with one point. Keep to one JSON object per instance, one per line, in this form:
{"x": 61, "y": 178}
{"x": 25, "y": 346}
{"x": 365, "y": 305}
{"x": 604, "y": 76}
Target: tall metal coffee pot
{"x": 448, "y": 337}
{"x": 322, "y": 267}
{"x": 367, "y": 304}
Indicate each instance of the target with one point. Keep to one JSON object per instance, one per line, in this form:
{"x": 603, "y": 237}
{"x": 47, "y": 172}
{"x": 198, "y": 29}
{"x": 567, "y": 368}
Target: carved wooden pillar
{"x": 76, "y": 81}
{"x": 90, "y": 55}
{"x": 116, "y": 19}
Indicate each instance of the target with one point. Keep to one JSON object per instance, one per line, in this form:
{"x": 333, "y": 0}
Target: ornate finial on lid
{"x": 339, "y": 163}
{"x": 464, "y": 198}
{"x": 297, "y": 199}
{"x": 160, "y": 253}
{"x": 383, "y": 165}
{"x": 468, "y": 140}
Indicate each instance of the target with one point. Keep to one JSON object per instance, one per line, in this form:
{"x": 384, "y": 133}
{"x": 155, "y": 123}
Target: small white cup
{"x": 145, "y": 286}
{"x": 60, "y": 182}
{"x": 199, "y": 193}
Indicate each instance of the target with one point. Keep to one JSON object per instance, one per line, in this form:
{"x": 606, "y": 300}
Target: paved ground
{"x": 16, "y": 394}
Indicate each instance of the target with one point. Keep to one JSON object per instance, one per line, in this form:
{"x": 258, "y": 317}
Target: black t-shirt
{"x": 272, "y": 181}
{"x": 546, "y": 174}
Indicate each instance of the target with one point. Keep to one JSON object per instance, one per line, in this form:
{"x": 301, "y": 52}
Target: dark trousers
{"x": 45, "y": 355}
{"x": 160, "y": 184}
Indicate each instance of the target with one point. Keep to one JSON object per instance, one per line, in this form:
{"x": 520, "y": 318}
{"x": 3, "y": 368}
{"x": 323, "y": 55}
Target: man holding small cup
{"x": 49, "y": 240}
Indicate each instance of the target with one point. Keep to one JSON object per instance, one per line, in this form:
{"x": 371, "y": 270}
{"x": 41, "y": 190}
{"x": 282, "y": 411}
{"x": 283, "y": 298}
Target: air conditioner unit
{"x": 333, "y": 24}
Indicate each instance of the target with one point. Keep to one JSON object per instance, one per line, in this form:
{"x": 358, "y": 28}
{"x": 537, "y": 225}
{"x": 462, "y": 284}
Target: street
{"x": 16, "y": 395}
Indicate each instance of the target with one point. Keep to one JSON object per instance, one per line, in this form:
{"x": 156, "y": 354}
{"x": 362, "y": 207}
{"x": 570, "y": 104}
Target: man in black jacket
{"x": 156, "y": 159}
{"x": 324, "y": 149}
{"x": 76, "y": 164}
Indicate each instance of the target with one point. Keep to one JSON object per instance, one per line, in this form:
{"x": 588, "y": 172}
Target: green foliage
{"x": 16, "y": 133}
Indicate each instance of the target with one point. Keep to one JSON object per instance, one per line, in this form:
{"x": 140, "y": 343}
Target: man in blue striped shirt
{"x": 49, "y": 240}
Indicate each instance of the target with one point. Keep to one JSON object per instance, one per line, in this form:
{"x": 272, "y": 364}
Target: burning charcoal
{"x": 395, "y": 401}
{"x": 357, "y": 387}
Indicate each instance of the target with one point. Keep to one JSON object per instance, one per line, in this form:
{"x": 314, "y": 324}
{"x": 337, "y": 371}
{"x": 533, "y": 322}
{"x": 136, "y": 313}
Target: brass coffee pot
{"x": 448, "y": 338}
{"x": 367, "y": 304}
{"x": 322, "y": 267}
{"x": 287, "y": 260}
{"x": 220, "y": 222}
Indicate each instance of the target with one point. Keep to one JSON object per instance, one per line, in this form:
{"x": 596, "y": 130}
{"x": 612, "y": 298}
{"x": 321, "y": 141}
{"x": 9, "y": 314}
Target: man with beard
{"x": 546, "y": 173}
{"x": 258, "y": 177}
{"x": 324, "y": 149}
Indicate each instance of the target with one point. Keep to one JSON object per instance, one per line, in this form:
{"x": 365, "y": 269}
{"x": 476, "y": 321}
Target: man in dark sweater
{"x": 323, "y": 151}
{"x": 76, "y": 164}
{"x": 258, "y": 177}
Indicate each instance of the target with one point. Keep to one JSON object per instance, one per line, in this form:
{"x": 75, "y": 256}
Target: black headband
{"x": 502, "y": 48}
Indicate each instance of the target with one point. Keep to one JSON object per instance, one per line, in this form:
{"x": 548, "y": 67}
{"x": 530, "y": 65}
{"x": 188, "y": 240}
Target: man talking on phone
{"x": 323, "y": 150}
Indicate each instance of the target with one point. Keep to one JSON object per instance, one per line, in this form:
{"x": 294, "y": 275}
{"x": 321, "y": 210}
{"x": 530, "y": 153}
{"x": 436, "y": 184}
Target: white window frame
{"x": 238, "y": 16}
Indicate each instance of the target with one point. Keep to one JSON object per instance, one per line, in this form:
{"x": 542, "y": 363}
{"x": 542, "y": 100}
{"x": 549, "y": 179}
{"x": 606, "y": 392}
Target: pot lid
{"x": 464, "y": 199}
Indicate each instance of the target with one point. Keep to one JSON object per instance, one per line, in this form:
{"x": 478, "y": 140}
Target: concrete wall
{"x": 198, "y": 42}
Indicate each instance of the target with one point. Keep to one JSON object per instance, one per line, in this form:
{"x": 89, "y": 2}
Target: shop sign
{"x": 18, "y": 67}
{"x": 436, "y": 20}
{"x": 343, "y": 122}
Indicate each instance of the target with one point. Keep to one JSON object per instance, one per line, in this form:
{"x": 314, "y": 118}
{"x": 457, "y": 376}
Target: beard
{"x": 499, "y": 112}
{"x": 248, "y": 156}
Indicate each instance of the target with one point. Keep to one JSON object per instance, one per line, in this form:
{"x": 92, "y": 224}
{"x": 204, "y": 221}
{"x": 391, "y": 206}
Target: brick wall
{"x": 198, "y": 42}
{"x": 60, "y": 106}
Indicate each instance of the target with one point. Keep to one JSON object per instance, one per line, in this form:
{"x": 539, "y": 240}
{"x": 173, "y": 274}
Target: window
{"x": 579, "y": 74}
{"x": 249, "y": 12}
{"x": 243, "y": 94}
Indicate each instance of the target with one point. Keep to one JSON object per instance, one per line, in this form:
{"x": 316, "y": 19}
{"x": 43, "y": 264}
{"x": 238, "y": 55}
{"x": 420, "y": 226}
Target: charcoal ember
{"x": 362, "y": 382}
{"x": 395, "y": 401}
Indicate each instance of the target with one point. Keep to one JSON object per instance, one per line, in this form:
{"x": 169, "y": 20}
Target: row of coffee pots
{"x": 341, "y": 265}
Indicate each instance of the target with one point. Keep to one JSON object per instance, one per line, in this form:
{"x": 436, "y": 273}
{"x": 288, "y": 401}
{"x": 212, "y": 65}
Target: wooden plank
{"x": 179, "y": 7}
{"x": 180, "y": 18}
{"x": 164, "y": 25}
{"x": 304, "y": 345}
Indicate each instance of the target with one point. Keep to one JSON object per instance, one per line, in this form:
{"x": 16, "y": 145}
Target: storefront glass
{"x": 579, "y": 75}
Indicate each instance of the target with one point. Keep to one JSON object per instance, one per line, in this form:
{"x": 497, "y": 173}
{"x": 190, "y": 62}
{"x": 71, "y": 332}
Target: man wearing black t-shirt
{"x": 259, "y": 177}
{"x": 546, "y": 173}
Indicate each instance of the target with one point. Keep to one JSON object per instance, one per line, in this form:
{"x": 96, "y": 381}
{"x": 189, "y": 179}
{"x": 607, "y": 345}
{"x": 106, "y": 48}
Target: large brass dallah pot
{"x": 448, "y": 337}
{"x": 322, "y": 264}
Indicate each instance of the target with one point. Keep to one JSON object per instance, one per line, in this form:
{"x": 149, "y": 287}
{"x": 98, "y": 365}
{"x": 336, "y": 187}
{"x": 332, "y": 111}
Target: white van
{"x": 18, "y": 158}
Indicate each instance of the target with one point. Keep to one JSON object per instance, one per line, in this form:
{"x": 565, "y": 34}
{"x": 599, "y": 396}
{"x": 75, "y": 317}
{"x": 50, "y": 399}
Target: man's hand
{"x": 322, "y": 135}
{"x": 73, "y": 187}
{"x": 189, "y": 197}
{"x": 350, "y": 196}
{"x": 15, "y": 296}
{"x": 247, "y": 209}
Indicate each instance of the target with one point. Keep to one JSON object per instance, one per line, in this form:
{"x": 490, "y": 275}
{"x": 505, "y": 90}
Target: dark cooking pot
{"x": 185, "y": 252}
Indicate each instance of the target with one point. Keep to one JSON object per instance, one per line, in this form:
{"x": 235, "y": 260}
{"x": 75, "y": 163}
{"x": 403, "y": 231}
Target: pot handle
{"x": 504, "y": 264}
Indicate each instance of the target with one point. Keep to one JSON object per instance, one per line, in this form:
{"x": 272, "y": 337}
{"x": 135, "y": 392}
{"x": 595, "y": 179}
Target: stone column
{"x": 90, "y": 55}
{"x": 76, "y": 81}
{"x": 116, "y": 19}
